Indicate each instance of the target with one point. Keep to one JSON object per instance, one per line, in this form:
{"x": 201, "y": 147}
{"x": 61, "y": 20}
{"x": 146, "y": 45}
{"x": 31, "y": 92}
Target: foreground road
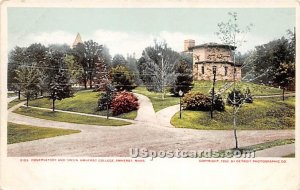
{"x": 144, "y": 133}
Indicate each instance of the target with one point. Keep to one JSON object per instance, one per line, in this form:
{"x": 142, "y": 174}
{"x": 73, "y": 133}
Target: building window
{"x": 202, "y": 68}
{"x": 226, "y": 68}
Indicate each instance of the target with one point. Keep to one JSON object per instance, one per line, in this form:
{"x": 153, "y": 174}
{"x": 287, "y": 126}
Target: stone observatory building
{"x": 212, "y": 55}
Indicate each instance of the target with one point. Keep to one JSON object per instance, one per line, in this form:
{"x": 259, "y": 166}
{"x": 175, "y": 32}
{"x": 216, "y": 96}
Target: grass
{"x": 290, "y": 156}
{"x": 261, "y": 114}
{"x": 256, "y": 89}
{"x": 156, "y": 98}
{"x": 11, "y": 95}
{"x": 20, "y": 133}
{"x": 14, "y": 102}
{"x": 83, "y": 102}
{"x": 263, "y": 146}
{"x": 67, "y": 117}
{"x": 203, "y": 87}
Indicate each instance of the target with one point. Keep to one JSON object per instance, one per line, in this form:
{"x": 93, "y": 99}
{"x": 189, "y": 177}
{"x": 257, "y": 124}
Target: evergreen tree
{"x": 60, "y": 87}
{"x": 184, "y": 78}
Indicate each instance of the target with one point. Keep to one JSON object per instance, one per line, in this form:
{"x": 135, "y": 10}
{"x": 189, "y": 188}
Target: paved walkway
{"x": 148, "y": 131}
{"x": 276, "y": 95}
{"x": 277, "y": 151}
{"x": 164, "y": 116}
{"x": 11, "y": 98}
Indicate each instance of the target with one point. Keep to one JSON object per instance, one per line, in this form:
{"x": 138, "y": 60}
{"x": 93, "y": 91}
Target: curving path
{"x": 147, "y": 132}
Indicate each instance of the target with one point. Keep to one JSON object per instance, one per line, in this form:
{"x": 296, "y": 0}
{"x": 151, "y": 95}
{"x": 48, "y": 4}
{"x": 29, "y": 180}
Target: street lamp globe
{"x": 180, "y": 93}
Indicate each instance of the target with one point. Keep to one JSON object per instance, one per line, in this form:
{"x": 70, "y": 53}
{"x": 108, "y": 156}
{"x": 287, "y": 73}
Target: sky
{"x": 129, "y": 30}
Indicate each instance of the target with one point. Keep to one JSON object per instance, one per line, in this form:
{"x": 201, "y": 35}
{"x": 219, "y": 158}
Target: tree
{"x": 184, "y": 78}
{"x": 28, "y": 79}
{"x": 75, "y": 70}
{"x": 16, "y": 58}
{"x": 157, "y": 67}
{"x": 122, "y": 78}
{"x": 231, "y": 34}
{"x": 92, "y": 56}
{"x": 60, "y": 87}
{"x": 284, "y": 76}
{"x": 118, "y": 59}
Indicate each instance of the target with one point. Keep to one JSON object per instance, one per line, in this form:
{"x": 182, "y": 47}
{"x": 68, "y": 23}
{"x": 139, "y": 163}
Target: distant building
{"x": 77, "y": 40}
{"x": 210, "y": 55}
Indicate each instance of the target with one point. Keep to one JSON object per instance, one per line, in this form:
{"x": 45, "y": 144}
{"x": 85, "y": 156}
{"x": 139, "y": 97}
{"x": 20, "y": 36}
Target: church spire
{"x": 77, "y": 40}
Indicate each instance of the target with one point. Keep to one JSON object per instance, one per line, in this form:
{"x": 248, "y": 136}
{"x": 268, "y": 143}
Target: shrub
{"x": 102, "y": 102}
{"x": 196, "y": 101}
{"x": 239, "y": 97}
{"x": 124, "y": 102}
{"x": 248, "y": 96}
{"x": 201, "y": 102}
{"x": 219, "y": 103}
{"x": 106, "y": 98}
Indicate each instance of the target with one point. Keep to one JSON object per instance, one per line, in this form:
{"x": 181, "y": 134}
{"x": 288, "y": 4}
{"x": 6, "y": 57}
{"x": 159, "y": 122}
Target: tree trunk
{"x": 283, "y": 94}
{"x": 107, "y": 111}
{"x": 53, "y": 105}
{"x": 41, "y": 92}
{"x": 91, "y": 81}
{"x": 85, "y": 81}
{"x": 19, "y": 94}
{"x": 27, "y": 100}
{"x": 235, "y": 136}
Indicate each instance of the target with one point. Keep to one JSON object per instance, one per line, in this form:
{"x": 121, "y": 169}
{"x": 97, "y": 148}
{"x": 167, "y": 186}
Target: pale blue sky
{"x": 131, "y": 30}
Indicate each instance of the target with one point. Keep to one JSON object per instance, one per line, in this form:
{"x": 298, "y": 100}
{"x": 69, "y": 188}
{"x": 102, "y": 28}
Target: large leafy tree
{"x": 60, "y": 87}
{"x": 122, "y": 78}
{"x": 28, "y": 78}
{"x": 92, "y": 55}
{"x": 284, "y": 76}
{"x": 118, "y": 59}
{"x": 16, "y": 58}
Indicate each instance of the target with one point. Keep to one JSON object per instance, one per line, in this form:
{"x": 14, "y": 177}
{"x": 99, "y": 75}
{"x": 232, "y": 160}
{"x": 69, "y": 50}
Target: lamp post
{"x": 213, "y": 92}
{"x": 180, "y": 95}
{"x": 162, "y": 75}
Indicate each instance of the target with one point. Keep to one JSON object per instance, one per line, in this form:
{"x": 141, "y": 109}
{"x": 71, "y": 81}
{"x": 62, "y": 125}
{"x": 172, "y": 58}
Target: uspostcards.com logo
{"x": 145, "y": 153}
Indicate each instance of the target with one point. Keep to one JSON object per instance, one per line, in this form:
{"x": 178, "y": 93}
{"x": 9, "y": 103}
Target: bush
{"x": 248, "y": 96}
{"x": 201, "y": 102}
{"x": 106, "y": 98}
{"x": 124, "y": 102}
{"x": 196, "y": 101}
{"x": 219, "y": 103}
{"x": 102, "y": 102}
{"x": 239, "y": 97}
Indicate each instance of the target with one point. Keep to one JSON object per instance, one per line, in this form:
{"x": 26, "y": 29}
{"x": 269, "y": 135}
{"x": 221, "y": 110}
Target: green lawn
{"x": 83, "y": 101}
{"x": 262, "y": 146}
{"x": 14, "y": 102}
{"x": 156, "y": 98}
{"x": 11, "y": 95}
{"x": 262, "y": 114}
{"x": 204, "y": 87}
{"x": 67, "y": 117}
{"x": 20, "y": 133}
{"x": 256, "y": 89}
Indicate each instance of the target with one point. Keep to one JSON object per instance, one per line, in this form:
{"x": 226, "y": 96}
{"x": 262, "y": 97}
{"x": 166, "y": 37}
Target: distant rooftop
{"x": 212, "y": 44}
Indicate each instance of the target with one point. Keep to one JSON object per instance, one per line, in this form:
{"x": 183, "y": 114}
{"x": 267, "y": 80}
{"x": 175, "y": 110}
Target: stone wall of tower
{"x": 221, "y": 73}
{"x": 188, "y": 44}
{"x": 208, "y": 57}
